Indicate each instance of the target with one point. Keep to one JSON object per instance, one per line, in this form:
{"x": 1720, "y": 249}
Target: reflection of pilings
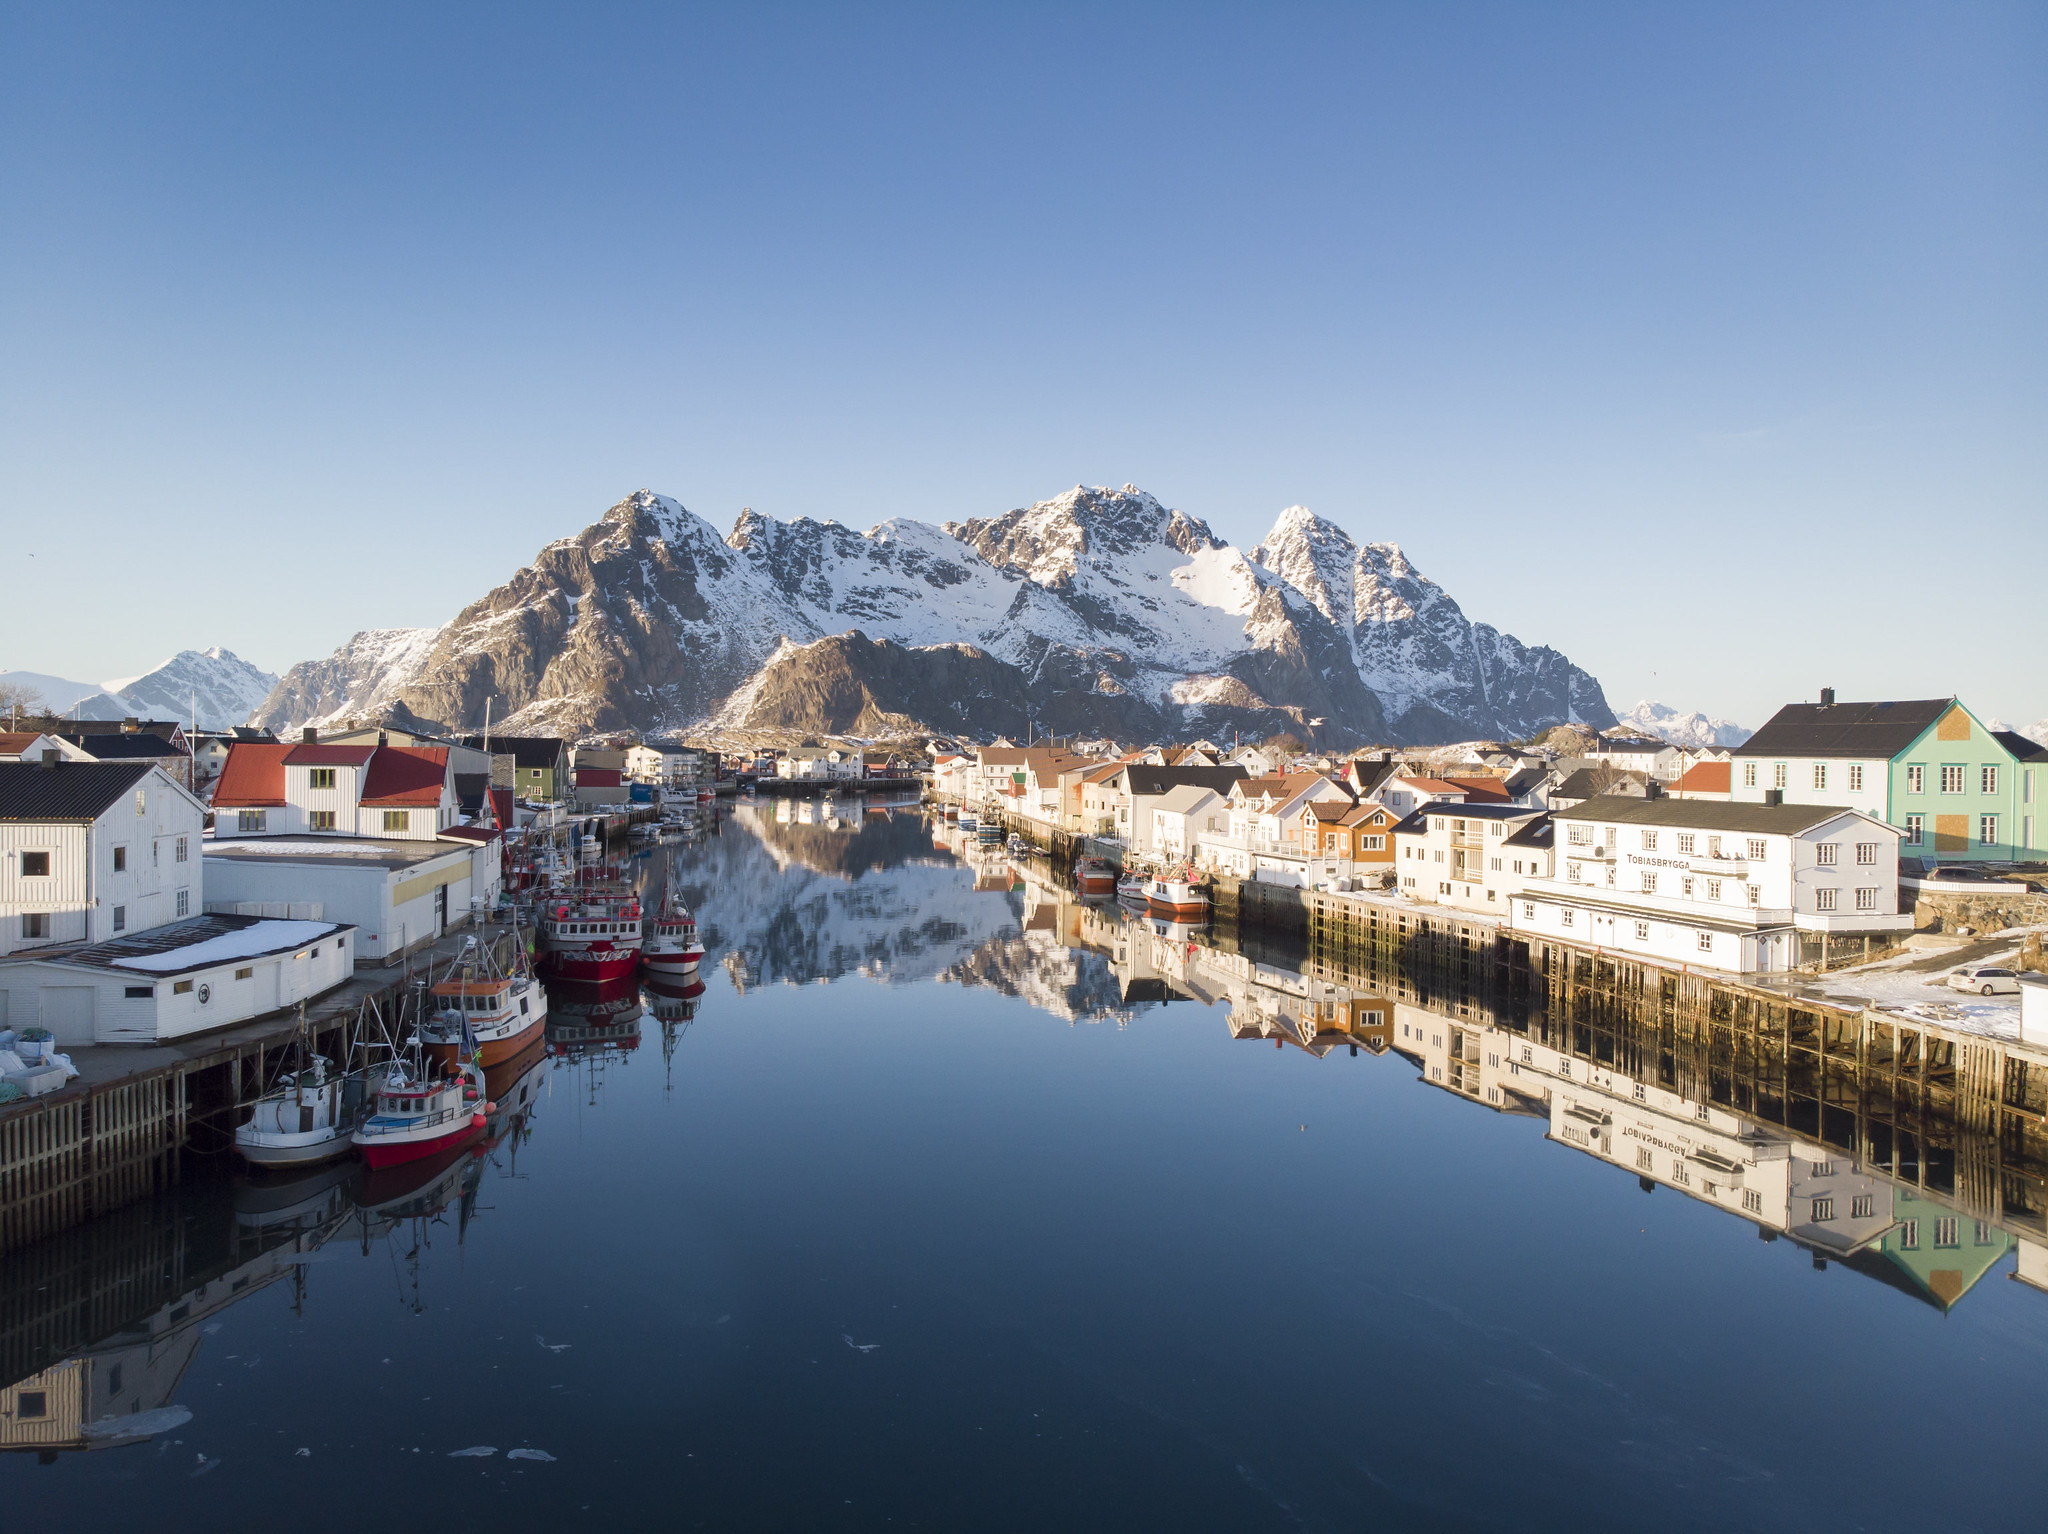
{"x": 1956, "y": 1115}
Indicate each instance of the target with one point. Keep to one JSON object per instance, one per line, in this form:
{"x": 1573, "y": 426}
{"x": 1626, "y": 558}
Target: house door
{"x": 68, "y": 1012}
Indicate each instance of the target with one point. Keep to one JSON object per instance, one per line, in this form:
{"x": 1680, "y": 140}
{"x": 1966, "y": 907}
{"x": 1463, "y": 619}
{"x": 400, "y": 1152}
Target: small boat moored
{"x": 482, "y": 1015}
{"x": 1182, "y": 896}
{"x": 416, "y": 1118}
{"x": 308, "y": 1117}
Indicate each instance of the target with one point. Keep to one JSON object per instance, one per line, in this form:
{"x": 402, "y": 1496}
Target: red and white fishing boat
{"x": 669, "y": 943}
{"x": 1094, "y": 878}
{"x": 480, "y": 1014}
{"x": 590, "y": 933}
{"x": 1180, "y": 896}
{"x": 421, "y": 1116}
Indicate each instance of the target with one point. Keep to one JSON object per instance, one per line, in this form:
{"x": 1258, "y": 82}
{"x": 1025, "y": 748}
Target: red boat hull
{"x": 673, "y": 963}
{"x": 596, "y": 965}
{"x": 393, "y": 1153}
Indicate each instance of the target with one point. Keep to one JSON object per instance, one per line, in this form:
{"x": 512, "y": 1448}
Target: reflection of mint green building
{"x": 1940, "y": 1253}
{"x": 1959, "y": 791}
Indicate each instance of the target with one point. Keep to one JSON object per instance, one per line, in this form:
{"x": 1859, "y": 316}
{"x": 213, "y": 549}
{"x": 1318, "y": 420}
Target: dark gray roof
{"x": 1872, "y": 730}
{"x": 2020, "y": 746}
{"x": 527, "y": 750}
{"x": 1159, "y": 780}
{"x": 122, "y": 748}
{"x": 1590, "y": 782}
{"x": 1609, "y": 743}
{"x": 69, "y": 791}
{"x": 1537, "y": 833}
{"x": 1704, "y": 814}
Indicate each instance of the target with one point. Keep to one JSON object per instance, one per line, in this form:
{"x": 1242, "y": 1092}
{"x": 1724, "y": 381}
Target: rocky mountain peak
{"x": 1316, "y": 558}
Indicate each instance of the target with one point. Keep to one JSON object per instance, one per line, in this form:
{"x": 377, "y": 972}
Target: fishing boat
{"x": 481, "y": 1014}
{"x": 1094, "y": 878}
{"x": 1134, "y": 889}
{"x": 668, "y": 943}
{"x": 421, "y": 1115}
{"x": 1018, "y": 847}
{"x": 308, "y": 1116}
{"x": 590, "y": 933}
{"x": 1179, "y": 896}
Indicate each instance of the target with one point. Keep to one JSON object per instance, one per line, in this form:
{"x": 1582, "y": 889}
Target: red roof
{"x": 1480, "y": 790}
{"x": 468, "y": 834}
{"x": 501, "y": 808}
{"x": 328, "y": 756}
{"x": 599, "y": 777}
{"x": 1706, "y": 778}
{"x": 402, "y": 775}
{"x": 253, "y": 776}
{"x": 1437, "y": 786}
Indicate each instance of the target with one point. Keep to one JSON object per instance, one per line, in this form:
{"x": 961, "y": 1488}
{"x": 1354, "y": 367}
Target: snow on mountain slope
{"x": 227, "y": 688}
{"x": 1694, "y": 730}
{"x": 56, "y": 692}
{"x": 1095, "y": 611}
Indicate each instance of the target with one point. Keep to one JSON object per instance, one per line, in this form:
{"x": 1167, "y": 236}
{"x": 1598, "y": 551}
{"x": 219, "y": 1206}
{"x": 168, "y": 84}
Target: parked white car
{"x": 1987, "y": 981}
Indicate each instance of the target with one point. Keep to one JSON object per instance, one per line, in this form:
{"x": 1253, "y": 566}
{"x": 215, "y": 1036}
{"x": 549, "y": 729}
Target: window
{"x": 320, "y": 777}
{"x": 1642, "y": 932}
{"x": 1685, "y": 840}
{"x": 1823, "y": 1169}
{"x": 1909, "y": 1234}
{"x": 1528, "y": 911}
{"x": 1987, "y": 779}
{"x": 1700, "y": 1112}
{"x": 1713, "y": 889}
{"x": 1823, "y": 900}
{"x": 1916, "y": 778}
{"x": 1756, "y": 894}
{"x": 184, "y": 903}
{"x": 1705, "y": 940}
{"x": 31, "y": 1403}
{"x": 1645, "y": 1158}
{"x": 1823, "y": 1210}
{"x": 1566, "y": 916}
{"x": 137, "y": 992}
{"x": 249, "y": 820}
{"x": 1862, "y": 1206}
{"x": 1824, "y": 853}
{"x": 120, "y": 860}
{"x": 1713, "y": 846}
{"x": 320, "y": 820}
{"x": 1680, "y": 1172}
{"x": 1987, "y": 830}
{"x": 181, "y": 849}
{"x": 1866, "y": 899}
{"x": 120, "y": 918}
{"x": 1649, "y": 884}
{"x": 1915, "y": 826}
{"x": 246, "y": 972}
{"x": 1945, "y": 1231}
{"x": 1642, "y": 1096}
{"x": 1866, "y": 854}
{"x": 1951, "y": 777}
{"x": 35, "y": 924}
{"x": 1685, "y": 888}
{"x": 1820, "y": 775}
{"x": 1752, "y": 1201}
{"x": 1756, "y": 849}
{"x": 1610, "y": 876}
{"x": 1778, "y": 775}
{"x": 35, "y": 865}
{"x": 1374, "y": 843}
{"x": 1855, "y": 777}
{"x": 1983, "y": 1233}
{"x": 1649, "y": 841}
{"x": 1749, "y": 774}
{"x": 181, "y": 988}
{"x": 1496, "y": 865}
{"x": 141, "y": 804}
{"x": 1579, "y": 835}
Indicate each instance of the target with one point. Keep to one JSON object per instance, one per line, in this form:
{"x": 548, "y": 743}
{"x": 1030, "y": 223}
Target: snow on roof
{"x": 259, "y": 937}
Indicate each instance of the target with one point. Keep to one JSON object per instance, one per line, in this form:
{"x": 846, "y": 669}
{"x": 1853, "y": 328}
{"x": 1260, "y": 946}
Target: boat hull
{"x": 1178, "y": 910}
{"x": 393, "y": 1151}
{"x": 595, "y": 965}
{"x": 493, "y": 1051}
{"x": 310, "y": 1149}
{"x": 674, "y": 961}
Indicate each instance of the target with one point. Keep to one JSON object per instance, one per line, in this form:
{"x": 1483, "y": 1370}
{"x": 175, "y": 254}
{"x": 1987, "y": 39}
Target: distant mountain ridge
{"x": 1098, "y": 611}
{"x": 1695, "y": 730}
{"x": 224, "y": 689}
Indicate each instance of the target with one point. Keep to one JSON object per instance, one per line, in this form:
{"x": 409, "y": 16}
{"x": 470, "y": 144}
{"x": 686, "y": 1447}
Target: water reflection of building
{"x": 1831, "y": 1203}
{"x": 100, "y": 1325}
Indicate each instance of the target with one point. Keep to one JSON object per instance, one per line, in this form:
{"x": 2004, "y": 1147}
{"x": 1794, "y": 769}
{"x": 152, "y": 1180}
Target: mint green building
{"x": 1960, "y": 791}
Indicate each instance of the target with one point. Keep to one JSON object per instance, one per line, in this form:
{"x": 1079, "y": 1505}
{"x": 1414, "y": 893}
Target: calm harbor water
{"x": 948, "y": 1204}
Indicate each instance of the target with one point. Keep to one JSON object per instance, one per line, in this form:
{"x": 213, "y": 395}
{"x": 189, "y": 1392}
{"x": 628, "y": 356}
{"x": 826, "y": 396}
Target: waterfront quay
{"x": 118, "y": 1131}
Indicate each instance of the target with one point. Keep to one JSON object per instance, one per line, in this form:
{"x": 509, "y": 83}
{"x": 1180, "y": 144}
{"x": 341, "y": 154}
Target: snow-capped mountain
{"x": 2037, "y": 732}
{"x": 1096, "y": 612}
{"x": 1694, "y": 730}
{"x": 225, "y": 689}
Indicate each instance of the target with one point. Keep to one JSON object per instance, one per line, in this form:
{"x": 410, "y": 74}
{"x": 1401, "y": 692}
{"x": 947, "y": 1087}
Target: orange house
{"x": 1343, "y": 840}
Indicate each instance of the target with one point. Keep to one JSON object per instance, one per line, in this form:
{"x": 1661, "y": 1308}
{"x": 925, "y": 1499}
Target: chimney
{"x": 51, "y": 756}
{"x": 1827, "y": 697}
{"x": 383, "y": 739}
{"x": 131, "y": 725}
{"x": 309, "y": 736}
{"x": 1653, "y": 790}
{"x": 1774, "y": 796}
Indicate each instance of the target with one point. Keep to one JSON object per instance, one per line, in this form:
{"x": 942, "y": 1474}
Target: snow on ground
{"x": 1924, "y": 995}
{"x": 261, "y": 938}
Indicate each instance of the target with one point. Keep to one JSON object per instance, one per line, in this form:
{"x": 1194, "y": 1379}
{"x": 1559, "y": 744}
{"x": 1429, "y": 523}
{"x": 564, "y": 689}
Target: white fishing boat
{"x": 669, "y": 936}
{"x": 308, "y": 1116}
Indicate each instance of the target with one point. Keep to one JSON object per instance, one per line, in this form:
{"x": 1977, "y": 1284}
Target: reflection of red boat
{"x": 1094, "y": 878}
{"x": 586, "y": 1017}
{"x": 414, "y": 1187}
{"x": 671, "y": 999}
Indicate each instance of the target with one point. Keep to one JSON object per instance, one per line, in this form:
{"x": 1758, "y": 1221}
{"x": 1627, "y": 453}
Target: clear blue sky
{"x": 1706, "y": 343}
